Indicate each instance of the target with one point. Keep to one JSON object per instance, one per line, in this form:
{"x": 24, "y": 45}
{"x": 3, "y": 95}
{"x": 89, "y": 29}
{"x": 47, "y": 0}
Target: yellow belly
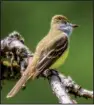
{"x": 61, "y": 60}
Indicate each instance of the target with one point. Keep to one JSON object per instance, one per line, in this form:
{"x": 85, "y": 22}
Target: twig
{"x": 74, "y": 88}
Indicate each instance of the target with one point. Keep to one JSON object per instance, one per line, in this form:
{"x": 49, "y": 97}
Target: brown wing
{"x": 52, "y": 54}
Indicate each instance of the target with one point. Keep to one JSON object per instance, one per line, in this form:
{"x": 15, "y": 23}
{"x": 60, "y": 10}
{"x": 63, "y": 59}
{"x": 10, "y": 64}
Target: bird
{"x": 50, "y": 53}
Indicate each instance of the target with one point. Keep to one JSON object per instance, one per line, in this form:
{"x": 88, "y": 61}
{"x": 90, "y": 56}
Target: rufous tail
{"x": 19, "y": 84}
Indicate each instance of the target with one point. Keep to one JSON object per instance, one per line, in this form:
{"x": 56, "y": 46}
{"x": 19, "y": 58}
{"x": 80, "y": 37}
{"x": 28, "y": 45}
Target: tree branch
{"x": 14, "y": 52}
{"x": 61, "y": 85}
{"x": 74, "y": 88}
{"x": 59, "y": 89}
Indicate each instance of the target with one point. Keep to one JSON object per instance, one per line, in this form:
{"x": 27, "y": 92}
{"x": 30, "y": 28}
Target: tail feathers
{"x": 18, "y": 85}
{"x": 35, "y": 74}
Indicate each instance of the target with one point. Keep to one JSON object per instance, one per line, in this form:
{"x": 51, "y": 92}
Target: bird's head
{"x": 61, "y": 23}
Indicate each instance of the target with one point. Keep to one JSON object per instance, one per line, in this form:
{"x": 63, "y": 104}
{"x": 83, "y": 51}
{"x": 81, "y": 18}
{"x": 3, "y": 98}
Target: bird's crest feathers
{"x": 59, "y": 18}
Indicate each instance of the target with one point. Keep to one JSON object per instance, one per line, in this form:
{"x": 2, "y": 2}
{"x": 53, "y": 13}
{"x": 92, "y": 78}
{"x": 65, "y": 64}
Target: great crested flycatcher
{"x": 50, "y": 52}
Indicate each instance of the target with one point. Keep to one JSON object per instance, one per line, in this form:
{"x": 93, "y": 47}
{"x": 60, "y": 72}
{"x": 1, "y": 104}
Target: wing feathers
{"x": 55, "y": 51}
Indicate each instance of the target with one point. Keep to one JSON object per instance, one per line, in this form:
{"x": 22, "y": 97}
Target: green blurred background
{"x": 32, "y": 20}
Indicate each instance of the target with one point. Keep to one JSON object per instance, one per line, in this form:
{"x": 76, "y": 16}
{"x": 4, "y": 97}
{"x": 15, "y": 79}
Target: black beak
{"x": 74, "y": 25}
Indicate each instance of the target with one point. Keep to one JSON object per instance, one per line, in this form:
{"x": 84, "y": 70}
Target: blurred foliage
{"x": 32, "y": 20}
